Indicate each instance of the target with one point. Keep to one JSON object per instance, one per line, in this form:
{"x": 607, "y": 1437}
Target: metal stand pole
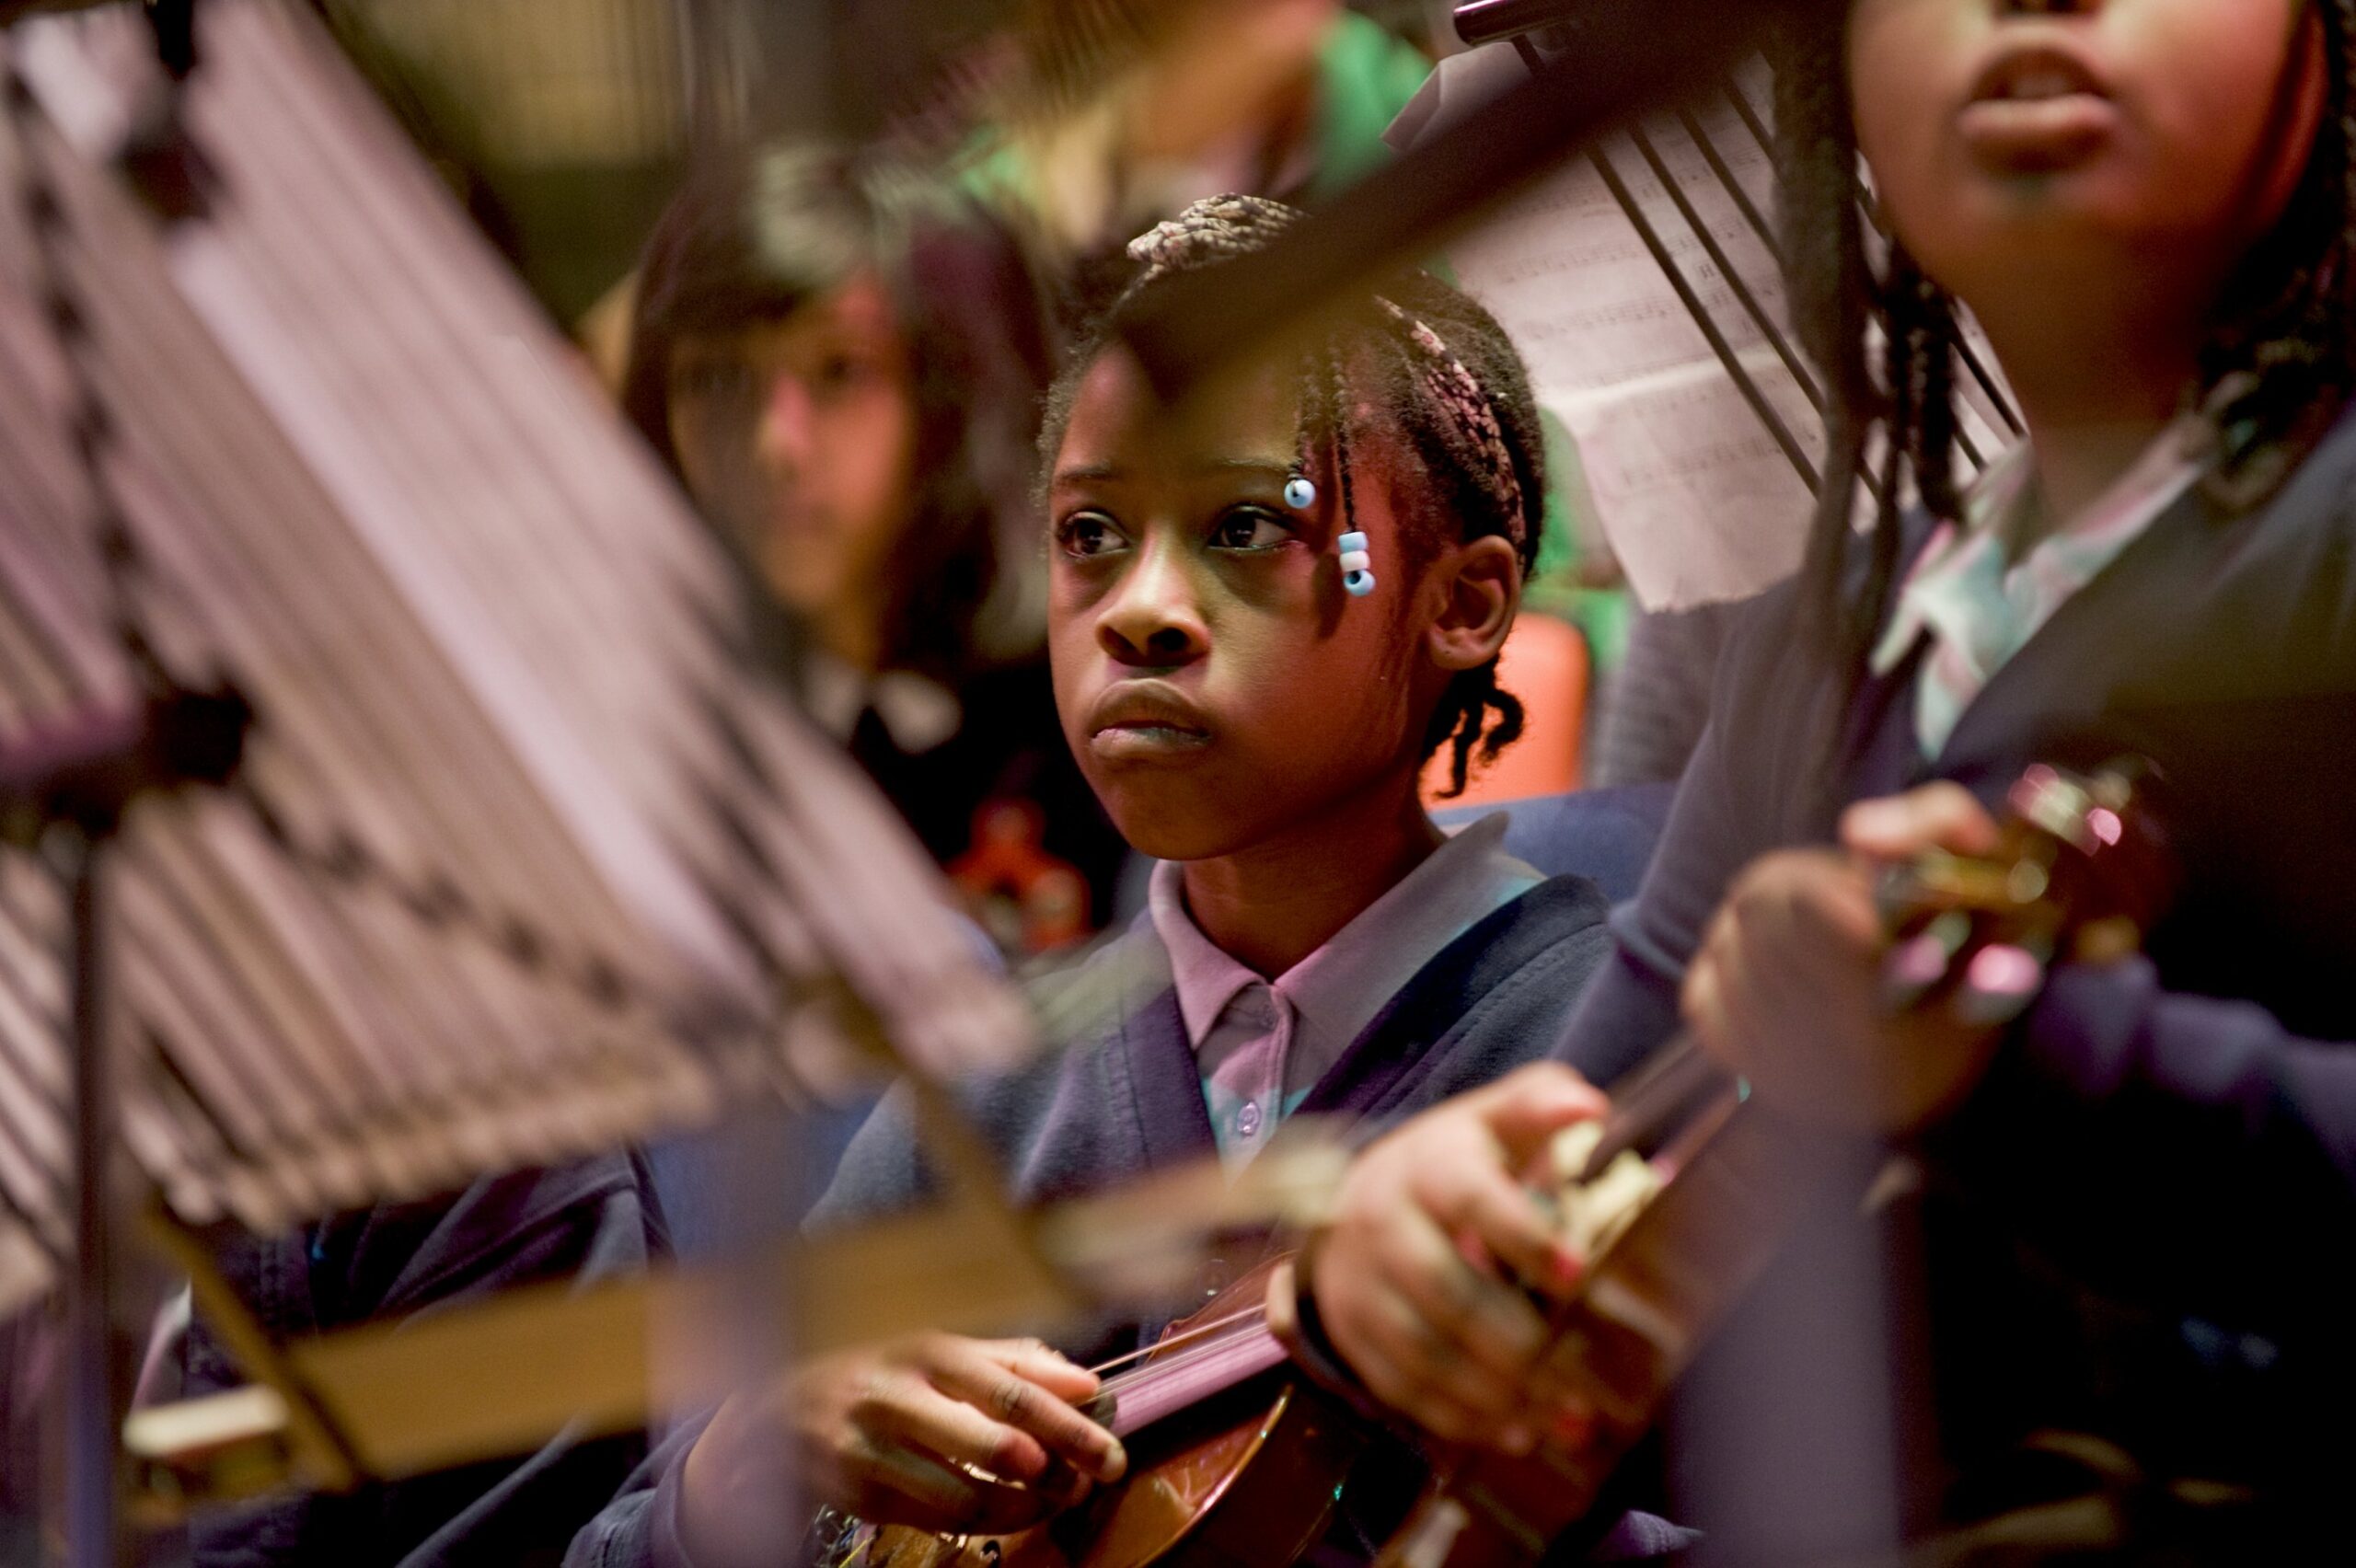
{"x": 66, "y": 788}
{"x": 92, "y": 1419}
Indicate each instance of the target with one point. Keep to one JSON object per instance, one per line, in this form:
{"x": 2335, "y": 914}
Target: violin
{"x": 2080, "y": 873}
{"x": 1680, "y": 1199}
{"x": 1233, "y": 1458}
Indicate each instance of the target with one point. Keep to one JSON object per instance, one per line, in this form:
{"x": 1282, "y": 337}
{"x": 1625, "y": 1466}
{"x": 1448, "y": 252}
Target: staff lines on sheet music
{"x": 93, "y": 431}
{"x": 1725, "y": 269}
{"x": 1701, "y": 318}
{"x": 435, "y": 903}
{"x": 1716, "y": 284}
{"x": 64, "y": 692}
{"x": 341, "y": 854}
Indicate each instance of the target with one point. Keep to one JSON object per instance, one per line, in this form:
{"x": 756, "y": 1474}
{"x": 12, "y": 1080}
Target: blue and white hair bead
{"x": 1301, "y": 492}
{"x": 1357, "y": 565}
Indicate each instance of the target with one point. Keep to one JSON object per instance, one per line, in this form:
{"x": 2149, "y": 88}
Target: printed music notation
{"x": 1695, "y": 493}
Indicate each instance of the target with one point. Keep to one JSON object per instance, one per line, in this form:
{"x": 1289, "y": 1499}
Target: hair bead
{"x": 1458, "y": 395}
{"x": 1357, "y": 565}
{"x": 1301, "y": 492}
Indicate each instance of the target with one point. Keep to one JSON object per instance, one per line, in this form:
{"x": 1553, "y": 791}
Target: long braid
{"x": 1477, "y": 718}
{"x": 1922, "y": 323}
{"x": 1830, "y": 288}
{"x": 1339, "y": 389}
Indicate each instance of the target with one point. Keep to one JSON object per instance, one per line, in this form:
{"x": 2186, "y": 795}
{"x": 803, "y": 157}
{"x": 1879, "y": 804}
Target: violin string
{"x": 1170, "y": 1366}
{"x": 1192, "y": 1337}
{"x": 1157, "y": 1373}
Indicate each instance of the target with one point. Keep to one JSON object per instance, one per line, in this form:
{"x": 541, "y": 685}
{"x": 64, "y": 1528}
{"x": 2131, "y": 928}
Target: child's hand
{"x": 889, "y": 1433}
{"x": 1407, "y": 1282}
{"x": 1785, "y": 989}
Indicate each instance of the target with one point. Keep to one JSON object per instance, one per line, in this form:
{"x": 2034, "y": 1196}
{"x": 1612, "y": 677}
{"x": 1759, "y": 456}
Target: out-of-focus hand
{"x": 1786, "y": 987}
{"x": 894, "y": 1434}
{"x": 1419, "y": 1284}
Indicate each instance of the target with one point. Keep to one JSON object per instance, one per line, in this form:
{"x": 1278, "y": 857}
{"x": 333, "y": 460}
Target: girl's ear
{"x": 1480, "y": 584}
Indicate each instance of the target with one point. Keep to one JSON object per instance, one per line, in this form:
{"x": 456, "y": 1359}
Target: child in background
{"x": 1266, "y": 610}
{"x": 2137, "y": 1202}
{"x": 1131, "y": 108}
{"x": 842, "y": 362}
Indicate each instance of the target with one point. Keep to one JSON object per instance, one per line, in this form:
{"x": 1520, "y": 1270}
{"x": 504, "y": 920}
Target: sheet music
{"x": 524, "y": 863}
{"x": 1697, "y": 498}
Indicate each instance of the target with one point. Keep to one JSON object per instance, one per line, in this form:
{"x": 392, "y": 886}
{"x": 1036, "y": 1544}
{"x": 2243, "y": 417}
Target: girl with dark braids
{"x": 2133, "y": 1209}
{"x": 1267, "y": 609}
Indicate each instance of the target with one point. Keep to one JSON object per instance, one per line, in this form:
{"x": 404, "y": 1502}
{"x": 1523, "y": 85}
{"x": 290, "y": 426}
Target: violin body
{"x": 1746, "y": 1182}
{"x": 1245, "y": 1477}
{"x": 2082, "y": 872}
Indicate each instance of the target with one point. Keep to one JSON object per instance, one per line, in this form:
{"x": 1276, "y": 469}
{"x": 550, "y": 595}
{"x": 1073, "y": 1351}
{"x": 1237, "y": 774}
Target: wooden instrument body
{"x": 1652, "y": 1299}
{"x": 2081, "y": 872}
{"x": 1247, "y": 1477}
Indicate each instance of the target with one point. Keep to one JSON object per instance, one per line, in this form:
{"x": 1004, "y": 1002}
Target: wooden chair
{"x": 1547, "y": 666}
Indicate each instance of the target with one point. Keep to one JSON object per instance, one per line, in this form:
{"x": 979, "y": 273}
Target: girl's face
{"x": 798, "y": 437}
{"x": 2001, "y": 131}
{"x": 1215, "y": 681}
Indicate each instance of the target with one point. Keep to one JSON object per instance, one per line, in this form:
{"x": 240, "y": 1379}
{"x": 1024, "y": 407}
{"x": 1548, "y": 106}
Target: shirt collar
{"x": 916, "y": 712}
{"x": 1961, "y": 571}
{"x": 1336, "y": 990}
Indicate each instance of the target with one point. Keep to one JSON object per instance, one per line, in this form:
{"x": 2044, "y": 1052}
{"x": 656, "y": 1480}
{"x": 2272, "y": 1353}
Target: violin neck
{"x": 1650, "y": 1301}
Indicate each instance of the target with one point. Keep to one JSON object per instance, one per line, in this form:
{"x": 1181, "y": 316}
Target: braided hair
{"x": 2270, "y": 376}
{"x": 1418, "y": 366}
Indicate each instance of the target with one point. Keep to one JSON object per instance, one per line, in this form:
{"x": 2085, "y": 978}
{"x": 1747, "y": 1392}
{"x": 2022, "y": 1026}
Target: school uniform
{"x": 582, "y": 1223}
{"x": 2143, "y": 1222}
{"x": 940, "y": 756}
{"x": 1463, "y": 971}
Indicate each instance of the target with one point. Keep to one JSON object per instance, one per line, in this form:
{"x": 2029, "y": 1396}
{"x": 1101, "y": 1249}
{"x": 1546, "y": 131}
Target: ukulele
{"x": 2078, "y": 876}
{"x": 1232, "y": 1460}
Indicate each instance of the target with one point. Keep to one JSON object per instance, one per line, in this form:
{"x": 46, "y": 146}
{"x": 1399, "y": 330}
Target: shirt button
{"x": 1247, "y": 1120}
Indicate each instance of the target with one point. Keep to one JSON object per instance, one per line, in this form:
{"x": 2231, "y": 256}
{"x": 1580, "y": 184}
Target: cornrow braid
{"x": 1437, "y": 370}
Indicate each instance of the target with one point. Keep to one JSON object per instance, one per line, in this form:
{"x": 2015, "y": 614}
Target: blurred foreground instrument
{"x": 384, "y": 1402}
{"x": 513, "y": 856}
{"x": 2081, "y": 872}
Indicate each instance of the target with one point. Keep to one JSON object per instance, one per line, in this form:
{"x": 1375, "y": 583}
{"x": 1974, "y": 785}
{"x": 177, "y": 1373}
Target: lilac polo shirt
{"x": 1261, "y": 1045}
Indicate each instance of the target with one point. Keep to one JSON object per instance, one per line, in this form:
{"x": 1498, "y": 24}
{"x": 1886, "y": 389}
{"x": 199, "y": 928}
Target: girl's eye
{"x": 1249, "y": 528}
{"x": 712, "y": 379}
{"x": 1086, "y": 534}
{"x": 842, "y": 372}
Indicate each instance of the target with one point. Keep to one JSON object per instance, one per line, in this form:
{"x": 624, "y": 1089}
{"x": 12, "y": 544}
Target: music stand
{"x": 523, "y": 863}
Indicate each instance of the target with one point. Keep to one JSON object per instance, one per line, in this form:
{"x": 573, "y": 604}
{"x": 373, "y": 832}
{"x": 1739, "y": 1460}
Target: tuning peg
{"x": 1920, "y": 964}
{"x": 2000, "y": 982}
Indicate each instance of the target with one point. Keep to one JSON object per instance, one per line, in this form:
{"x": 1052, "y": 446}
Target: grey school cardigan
{"x": 1126, "y": 1100}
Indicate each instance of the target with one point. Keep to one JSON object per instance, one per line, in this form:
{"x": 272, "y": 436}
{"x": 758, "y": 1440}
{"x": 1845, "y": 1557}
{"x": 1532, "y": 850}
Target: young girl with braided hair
{"x": 1268, "y": 608}
{"x": 2135, "y": 1202}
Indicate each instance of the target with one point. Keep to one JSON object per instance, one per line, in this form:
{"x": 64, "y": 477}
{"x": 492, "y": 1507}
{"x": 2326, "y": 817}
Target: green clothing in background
{"x": 1365, "y": 77}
